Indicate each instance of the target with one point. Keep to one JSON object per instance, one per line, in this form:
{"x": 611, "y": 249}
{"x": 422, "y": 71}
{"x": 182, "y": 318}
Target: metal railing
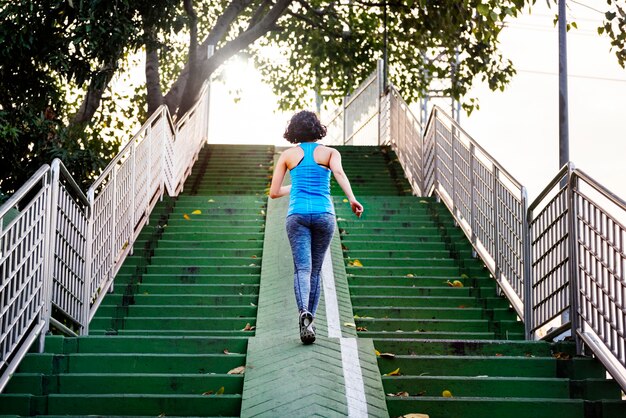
{"x": 400, "y": 129}
{"x": 561, "y": 260}
{"x": 356, "y": 121}
{"x": 488, "y": 203}
{"x": 61, "y": 249}
{"x": 549, "y": 230}
{"x": 598, "y": 267}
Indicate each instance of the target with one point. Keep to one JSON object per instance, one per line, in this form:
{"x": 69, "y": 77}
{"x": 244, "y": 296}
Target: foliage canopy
{"x": 58, "y": 59}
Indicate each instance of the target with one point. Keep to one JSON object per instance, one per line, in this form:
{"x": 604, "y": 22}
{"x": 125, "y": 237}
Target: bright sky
{"x": 519, "y": 126}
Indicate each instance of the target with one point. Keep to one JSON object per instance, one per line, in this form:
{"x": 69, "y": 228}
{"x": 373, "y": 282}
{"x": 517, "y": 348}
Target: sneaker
{"x": 307, "y": 330}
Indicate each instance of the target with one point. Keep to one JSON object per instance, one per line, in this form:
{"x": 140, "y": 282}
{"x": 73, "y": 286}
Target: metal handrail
{"x": 437, "y": 110}
{"x": 487, "y": 202}
{"x": 598, "y": 238}
{"x": 530, "y": 250}
{"x": 76, "y": 241}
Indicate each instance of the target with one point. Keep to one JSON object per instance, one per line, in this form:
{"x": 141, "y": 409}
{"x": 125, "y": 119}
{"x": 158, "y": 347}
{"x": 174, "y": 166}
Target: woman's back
{"x": 310, "y": 184}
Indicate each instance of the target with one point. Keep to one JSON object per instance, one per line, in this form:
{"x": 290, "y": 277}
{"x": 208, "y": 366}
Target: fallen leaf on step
{"x": 377, "y": 352}
{"x": 455, "y": 283}
{"x": 248, "y": 327}
{"x": 349, "y": 324}
{"x": 446, "y": 394}
{"x": 186, "y": 216}
{"x": 197, "y": 212}
{"x": 211, "y": 201}
{"x": 410, "y": 275}
{"x": 498, "y": 354}
{"x": 400, "y": 394}
{"x": 254, "y": 256}
{"x": 363, "y": 329}
{"x": 355, "y": 263}
{"x": 238, "y": 370}
{"x": 387, "y": 355}
{"x": 262, "y": 212}
{"x": 462, "y": 306}
{"x": 423, "y": 201}
{"x": 464, "y": 276}
{"x": 226, "y": 351}
{"x": 396, "y": 372}
{"x": 220, "y": 391}
{"x": 561, "y": 356}
{"x": 415, "y": 416}
{"x": 210, "y": 392}
{"x": 345, "y": 200}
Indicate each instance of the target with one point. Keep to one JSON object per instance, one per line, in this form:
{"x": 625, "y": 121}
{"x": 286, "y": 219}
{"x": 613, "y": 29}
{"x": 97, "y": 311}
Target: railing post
{"x": 114, "y": 226}
{"x": 133, "y": 188}
{"x": 472, "y": 222}
{"x": 496, "y": 224}
{"x": 89, "y": 262}
{"x": 435, "y": 153}
{"x": 50, "y": 247}
{"x": 343, "y": 116}
{"x": 148, "y": 173}
{"x": 527, "y": 269}
{"x": 572, "y": 186}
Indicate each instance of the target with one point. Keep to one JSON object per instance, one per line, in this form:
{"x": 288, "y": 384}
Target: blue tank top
{"x": 310, "y": 185}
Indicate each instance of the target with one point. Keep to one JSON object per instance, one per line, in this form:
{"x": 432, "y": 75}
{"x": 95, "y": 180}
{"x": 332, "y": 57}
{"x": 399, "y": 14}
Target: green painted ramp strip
{"x": 337, "y": 375}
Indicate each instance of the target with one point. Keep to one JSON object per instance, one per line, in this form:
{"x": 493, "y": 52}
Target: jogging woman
{"x": 311, "y": 216}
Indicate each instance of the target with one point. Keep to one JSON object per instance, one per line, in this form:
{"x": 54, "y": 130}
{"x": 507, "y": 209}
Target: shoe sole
{"x": 307, "y": 334}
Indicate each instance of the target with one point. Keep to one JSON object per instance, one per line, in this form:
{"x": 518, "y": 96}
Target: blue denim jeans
{"x": 309, "y": 236}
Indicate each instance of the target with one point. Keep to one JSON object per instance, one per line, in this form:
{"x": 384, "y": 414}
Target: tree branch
{"x": 267, "y": 23}
{"x": 234, "y": 9}
{"x": 96, "y": 89}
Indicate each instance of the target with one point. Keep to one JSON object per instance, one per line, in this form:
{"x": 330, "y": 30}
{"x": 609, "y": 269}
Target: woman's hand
{"x": 357, "y": 208}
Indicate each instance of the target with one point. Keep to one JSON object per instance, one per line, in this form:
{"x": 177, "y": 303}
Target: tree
{"x": 52, "y": 49}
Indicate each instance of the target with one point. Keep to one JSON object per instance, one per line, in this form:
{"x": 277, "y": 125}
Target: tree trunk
{"x": 208, "y": 66}
{"x": 153, "y": 82}
{"x": 175, "y": 94}
{"x": 92, "y": 99}
{"x": 192, "y": 86}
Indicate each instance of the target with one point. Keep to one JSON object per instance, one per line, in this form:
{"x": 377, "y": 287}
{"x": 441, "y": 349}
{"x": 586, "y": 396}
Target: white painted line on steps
{"x": 355, "y": 389}
{"x": 353, "y": 378}
{"x": 330, "y": 297}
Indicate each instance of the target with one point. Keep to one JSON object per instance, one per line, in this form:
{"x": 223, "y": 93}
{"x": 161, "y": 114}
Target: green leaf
{"x": 483, "y": 9}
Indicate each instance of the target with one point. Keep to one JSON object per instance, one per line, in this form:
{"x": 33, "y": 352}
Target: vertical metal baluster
{"x": 572, "y": 188}
{"x": 133, "y": 188}
{"x": 115, "y": 222}
{"x": 51, "y": 244}
{"x": 472, "y": 202}
{"x": 496, "y": 223}
{"x": 148, "y": 199}
{"x": 527, "y": 268}
{"x": 345, "y": 125}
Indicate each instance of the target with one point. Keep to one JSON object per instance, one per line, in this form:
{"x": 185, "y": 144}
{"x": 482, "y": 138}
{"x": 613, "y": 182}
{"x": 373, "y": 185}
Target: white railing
{"x": 60, "y": 249}
{"x": 356, "y": 121}
{"x": 562, "y": 256}
{"x": 578, "y": 238}
{"x": 488, "y": 203}
{"x": 400, "y": 129}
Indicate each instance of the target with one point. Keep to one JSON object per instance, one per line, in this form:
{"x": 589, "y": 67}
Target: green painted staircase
{"x": 401, "y": 258}
{"x": 209, "y": 288}
{"x": 169, "y": 339}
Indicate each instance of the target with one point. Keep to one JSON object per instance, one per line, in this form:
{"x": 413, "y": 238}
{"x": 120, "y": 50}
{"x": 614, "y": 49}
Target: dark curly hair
{"x": 304, "y": 126}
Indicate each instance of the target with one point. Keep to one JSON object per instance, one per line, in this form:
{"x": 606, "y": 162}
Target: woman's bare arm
{"x": 277, "y": 189}
{"x": 344, "y": 183}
